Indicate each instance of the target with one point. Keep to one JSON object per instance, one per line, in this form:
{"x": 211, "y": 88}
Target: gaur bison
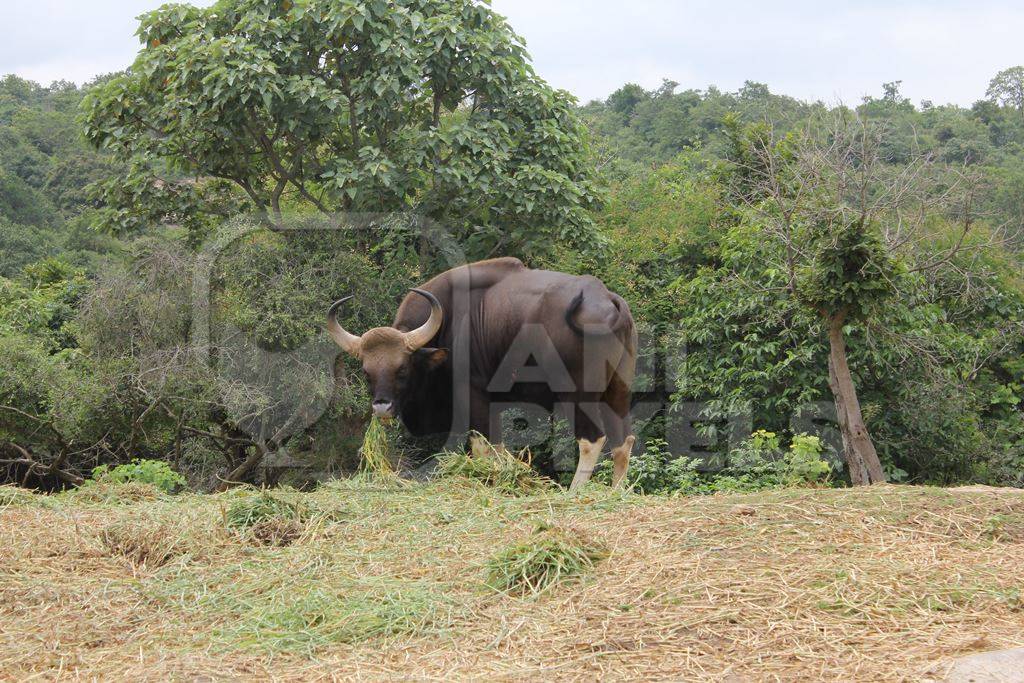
{"x": 486, "y": 336}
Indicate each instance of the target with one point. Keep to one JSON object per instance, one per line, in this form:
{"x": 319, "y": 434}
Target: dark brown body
{"x": 560, "y": 342}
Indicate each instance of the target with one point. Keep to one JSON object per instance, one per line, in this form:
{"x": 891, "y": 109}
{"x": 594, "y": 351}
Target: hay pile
{"x": 885, "y": 583}
{"x": 495, "y": 467}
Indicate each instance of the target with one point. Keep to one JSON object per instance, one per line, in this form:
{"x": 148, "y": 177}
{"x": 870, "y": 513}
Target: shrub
{"x": 546, "y": 557}
{"x": 756, "y": 464}
{"x": 154, "y": 472}
{"x": 803, "y": 463}
{"x": 655, "y": 470}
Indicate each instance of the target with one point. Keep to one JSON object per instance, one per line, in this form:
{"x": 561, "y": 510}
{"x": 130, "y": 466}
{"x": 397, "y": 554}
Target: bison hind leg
{"x": 620, "y": 460}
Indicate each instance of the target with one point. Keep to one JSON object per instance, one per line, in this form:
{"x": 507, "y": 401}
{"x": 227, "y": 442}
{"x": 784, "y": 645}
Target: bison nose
{"x": 383, "y": 408}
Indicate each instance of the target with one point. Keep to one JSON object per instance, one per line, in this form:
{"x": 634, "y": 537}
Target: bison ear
{"x": 432, "y": 358}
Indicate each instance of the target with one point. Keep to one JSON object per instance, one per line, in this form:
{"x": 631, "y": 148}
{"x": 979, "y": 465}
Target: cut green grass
{"x": 549, "y": 555}
{"x": 266, "y": 519}
{"x": 307, "y": 619}
{"x": 375, "y": 454}
{"x": 497, "y": 468}
{"x": 13, "y": 495}
{"x": 451, "y": 580}
{"x": 110, "y": 492}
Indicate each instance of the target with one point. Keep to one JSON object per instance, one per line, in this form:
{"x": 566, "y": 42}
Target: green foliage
{"x": 1007, "y": 88}
{"x": 21, "y": 204}
{"x": 654, "y": 470}
{"x": 355, "y": 106}
{"x": 748, "y": 350}
{"x": 804, "y": 464}
{"x": 543, "y": 559}
{"x": 758, "y": 463}
{"x": 155, "y": 472}
{"x": 215, "y": 117}
{"x": 850, "y": 272}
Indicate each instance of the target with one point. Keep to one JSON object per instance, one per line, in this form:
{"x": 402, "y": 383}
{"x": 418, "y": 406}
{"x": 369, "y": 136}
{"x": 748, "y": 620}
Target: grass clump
{"x": 14, "y": 495}
{"x": 308, "y": 619}
{"x": 111, "y": 492}
{"x": 497, "y": 468}
{"x": 375, "y": 453}
{"x": 1004, "y": 528}
{"x": 548, "y": 556}
{"x": 145, "y": 543}
{"x": 266, "y": 519}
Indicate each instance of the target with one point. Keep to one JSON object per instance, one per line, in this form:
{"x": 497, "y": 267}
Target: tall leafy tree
{"x": 352, "y": 105}
{"x": 848, "y": 228}
{"x": 1007, "y": 88}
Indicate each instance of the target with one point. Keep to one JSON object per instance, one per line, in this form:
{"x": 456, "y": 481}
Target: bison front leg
{"x": 620, "y": 458}
{"x": 589, "y": 453}
{"x": 481, "y": 447}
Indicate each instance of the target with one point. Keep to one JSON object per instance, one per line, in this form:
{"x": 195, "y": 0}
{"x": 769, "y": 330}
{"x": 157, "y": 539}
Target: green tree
{"x": 423, "y": 105}
{"x": 625, "y": 99}
{"x": 1007, "y": 88}
{"x": 849, "y": 226}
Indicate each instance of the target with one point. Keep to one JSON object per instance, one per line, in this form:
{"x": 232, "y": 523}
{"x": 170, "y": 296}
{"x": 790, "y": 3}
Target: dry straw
{"x": 877, "y": 584}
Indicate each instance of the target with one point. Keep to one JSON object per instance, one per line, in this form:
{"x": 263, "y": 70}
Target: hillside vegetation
{"x": 169, "y": 245}
{"x": 384, "y": 580}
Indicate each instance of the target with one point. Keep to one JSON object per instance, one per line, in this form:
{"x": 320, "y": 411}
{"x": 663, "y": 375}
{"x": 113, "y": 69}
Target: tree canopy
{"x": 417, "y": 105}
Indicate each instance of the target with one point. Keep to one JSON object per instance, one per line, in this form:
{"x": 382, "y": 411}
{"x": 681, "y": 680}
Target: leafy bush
{"x": 803, "y": 464}
{"x": 758, "y": 463}
{"x": 654, "y": 470}
{"x": 155, "y": 472}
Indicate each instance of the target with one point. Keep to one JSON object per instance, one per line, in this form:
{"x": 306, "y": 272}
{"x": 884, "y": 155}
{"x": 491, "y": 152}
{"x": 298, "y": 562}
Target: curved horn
{"x": 349, "y": 342}
{"x": 418, "y": 338}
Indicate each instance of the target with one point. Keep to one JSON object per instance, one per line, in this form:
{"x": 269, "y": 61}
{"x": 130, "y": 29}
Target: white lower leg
{"x": 589, "y": 453}
{"x": 620, "y": 459}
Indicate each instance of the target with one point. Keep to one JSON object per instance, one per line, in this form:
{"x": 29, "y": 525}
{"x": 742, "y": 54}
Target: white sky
{"x": 942, "y": 50}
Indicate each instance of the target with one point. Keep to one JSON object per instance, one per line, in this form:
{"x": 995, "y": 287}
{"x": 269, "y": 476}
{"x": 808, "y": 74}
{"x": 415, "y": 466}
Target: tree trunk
{"x": 858, "y": 450}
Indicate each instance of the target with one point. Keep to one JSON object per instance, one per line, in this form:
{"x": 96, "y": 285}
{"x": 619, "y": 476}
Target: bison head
{"x": 391, "y": 358}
